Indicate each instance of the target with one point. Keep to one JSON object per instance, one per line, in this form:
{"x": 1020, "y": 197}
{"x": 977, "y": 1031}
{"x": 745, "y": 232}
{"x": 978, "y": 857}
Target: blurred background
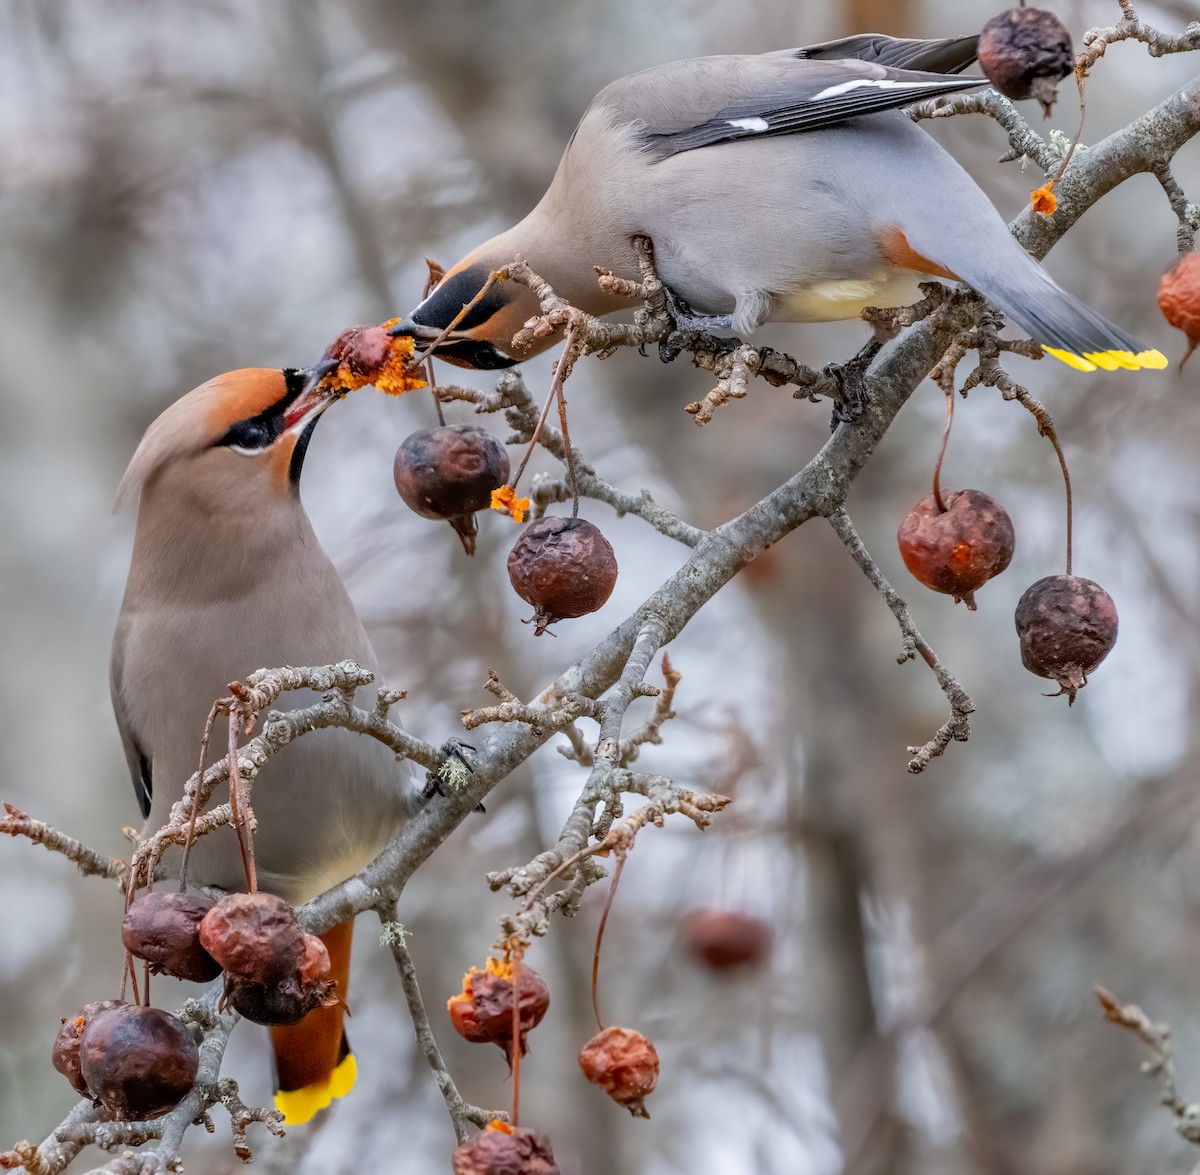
{"x": 186, "y": 189}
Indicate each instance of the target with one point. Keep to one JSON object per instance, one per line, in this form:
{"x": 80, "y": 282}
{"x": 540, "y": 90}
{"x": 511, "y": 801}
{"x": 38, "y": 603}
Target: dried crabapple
{"x": 1025, "y": 53}
{"x": 254, "y": 936}
{"x": 624, "y": 1064}
{"x": 164, "y": 929}
{"x": 65, "y": 1056}
{"x": 370, "y": 355}
{"x": 564, "y": 567}
{"x": 723, "y": 939}
{"x": 1179, "y": 299}
{"x": 1067, "y": 625}
{"x": 138, "y": 1062}
{"x": 449, "y": 473}
{"x": 314, "y": 966}
{"x": 483, "y": 1011}
{"x": 958, "y": 550}
{"x": 501, "y": 1149}
{"x": 286, "y": 1002}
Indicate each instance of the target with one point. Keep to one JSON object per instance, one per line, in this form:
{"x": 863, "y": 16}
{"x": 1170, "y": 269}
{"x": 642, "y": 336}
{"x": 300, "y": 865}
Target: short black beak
{"x": 460, "y": 349}
{"x": 317, "y": 372}
{"x": 417, "y": 331}
{"x": 316, "y": 395}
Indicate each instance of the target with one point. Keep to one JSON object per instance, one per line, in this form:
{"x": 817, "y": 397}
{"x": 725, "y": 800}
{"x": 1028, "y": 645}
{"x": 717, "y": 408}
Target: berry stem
{"x": 1045, "y": 424}
{"x": 238, "y": 816}
{"x": 572, "y": 476}
{"x": 1052, "y": 437}
{"x": 533, "y": 440}
{"x": 937, "y": 469}
{"x": 191, "y": 832}
{"x": 572, "y": 349}
{"x": 516, "y": 1036}
{"x": 612, "y": 893}
{"x": 1062, "y": 167}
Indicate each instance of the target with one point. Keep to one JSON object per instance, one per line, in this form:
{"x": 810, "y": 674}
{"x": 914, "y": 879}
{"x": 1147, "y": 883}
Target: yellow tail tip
{"x": 300, "y": 1105}
{"x": 1109, "y": 360}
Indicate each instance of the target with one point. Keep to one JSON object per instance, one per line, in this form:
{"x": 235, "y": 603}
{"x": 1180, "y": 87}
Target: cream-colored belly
{"x": 833, "y": 301}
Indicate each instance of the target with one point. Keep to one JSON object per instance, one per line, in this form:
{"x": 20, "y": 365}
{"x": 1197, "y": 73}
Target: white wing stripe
{"x": 748, "y": 124}
{"x": 875, "y": 83}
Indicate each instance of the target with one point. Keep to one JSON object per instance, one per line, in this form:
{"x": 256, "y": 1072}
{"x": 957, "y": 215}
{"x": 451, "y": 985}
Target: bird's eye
{"x": 252, "y": 435}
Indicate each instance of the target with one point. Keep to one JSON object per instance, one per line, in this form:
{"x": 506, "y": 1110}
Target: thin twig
{"x": 1161, "y": 1066}
{"x": 958, "y": 727}
{"x": 462, "y": 1113}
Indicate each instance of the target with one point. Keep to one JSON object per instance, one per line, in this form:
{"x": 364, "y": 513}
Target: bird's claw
{"x": 687, "y": 320}
{"x": 851, "y": 379}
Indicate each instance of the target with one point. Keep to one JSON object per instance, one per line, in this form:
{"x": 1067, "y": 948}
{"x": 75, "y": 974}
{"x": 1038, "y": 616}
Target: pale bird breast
{"x": 833, "y": 301}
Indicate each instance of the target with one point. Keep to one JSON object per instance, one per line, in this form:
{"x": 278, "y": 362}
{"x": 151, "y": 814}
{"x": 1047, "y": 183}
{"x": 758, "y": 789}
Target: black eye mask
{"x": 258, "y": 432}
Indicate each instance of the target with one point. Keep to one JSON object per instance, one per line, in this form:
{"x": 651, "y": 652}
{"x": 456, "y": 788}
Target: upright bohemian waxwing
{"x": 228, "y": 577}
{"x": 786, "y": 187}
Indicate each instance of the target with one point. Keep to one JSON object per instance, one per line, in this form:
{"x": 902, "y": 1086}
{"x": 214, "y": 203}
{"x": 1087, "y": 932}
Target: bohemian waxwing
{"x": 768, "y": 197}
{"x": 228, "y": 577}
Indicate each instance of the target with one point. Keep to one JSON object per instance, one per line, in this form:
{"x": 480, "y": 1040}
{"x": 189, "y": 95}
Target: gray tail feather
{"x": 1031, "y": 298}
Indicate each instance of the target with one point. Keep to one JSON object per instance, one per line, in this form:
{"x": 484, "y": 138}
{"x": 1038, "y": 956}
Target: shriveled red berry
{"x": 66, "y": 1044}
{"x": 564, "y": 567}
{"x": 501, "y": 1149}
{"x": 139, "y": 1062}
{"x": 1025, "y": 53}
{"x": 722, "y": 939}
{"x": 958, "y": 551}
{"x": 624, "y": 1064}
{"x": 1179, "y": 299}
{"x": 483, "y": 1011}
{"x": 449, "y": 473}
{"x": 363, "y": 350}
{"x": 314, "y": 962}
{"x": 254, "y": 936}
{"x": 164, "y": 929}
{"x": 1067, "y": 625}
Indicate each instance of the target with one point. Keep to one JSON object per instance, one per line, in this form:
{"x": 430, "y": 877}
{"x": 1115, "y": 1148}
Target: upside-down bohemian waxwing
{"x": 784, "y": 187}
{"x": 228, "y": 577}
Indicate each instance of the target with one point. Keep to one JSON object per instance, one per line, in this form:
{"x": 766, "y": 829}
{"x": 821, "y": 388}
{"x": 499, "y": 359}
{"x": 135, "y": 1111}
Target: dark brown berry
{"x": 164, "y": 929}
{"x": 66, "y": 1044}
{"x": 1025, "y": 53}
{"x": 722, "y": 939}
{"x": 1067, "y": 625}
{"x": 501, "y": 1149}
{"x": 280, "y": 1003}
{"x": 564, "y": 567}
{"x": 958, "y": 551}
{"x": 254, "y": 936}
{"x": 1179, "y": 299}
{"x": 483, "y": 1011}
{"x": 624, "y": 1064}
{"x": 449, "y": 473}
{"x": 138, "y": 1062}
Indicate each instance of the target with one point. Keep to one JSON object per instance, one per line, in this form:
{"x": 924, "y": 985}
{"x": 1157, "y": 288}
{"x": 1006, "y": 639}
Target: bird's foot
{"x": 851, "y": 378}
{"x": 452, "y": 775}
{"x": 686, "y": 319}
{"x": 688, "y": 322}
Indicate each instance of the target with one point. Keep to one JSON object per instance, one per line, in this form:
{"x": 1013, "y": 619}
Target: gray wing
{"x": 139, "y": 763}
{"x": 948, "y": 55}
{"x": 709, "y": 100}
